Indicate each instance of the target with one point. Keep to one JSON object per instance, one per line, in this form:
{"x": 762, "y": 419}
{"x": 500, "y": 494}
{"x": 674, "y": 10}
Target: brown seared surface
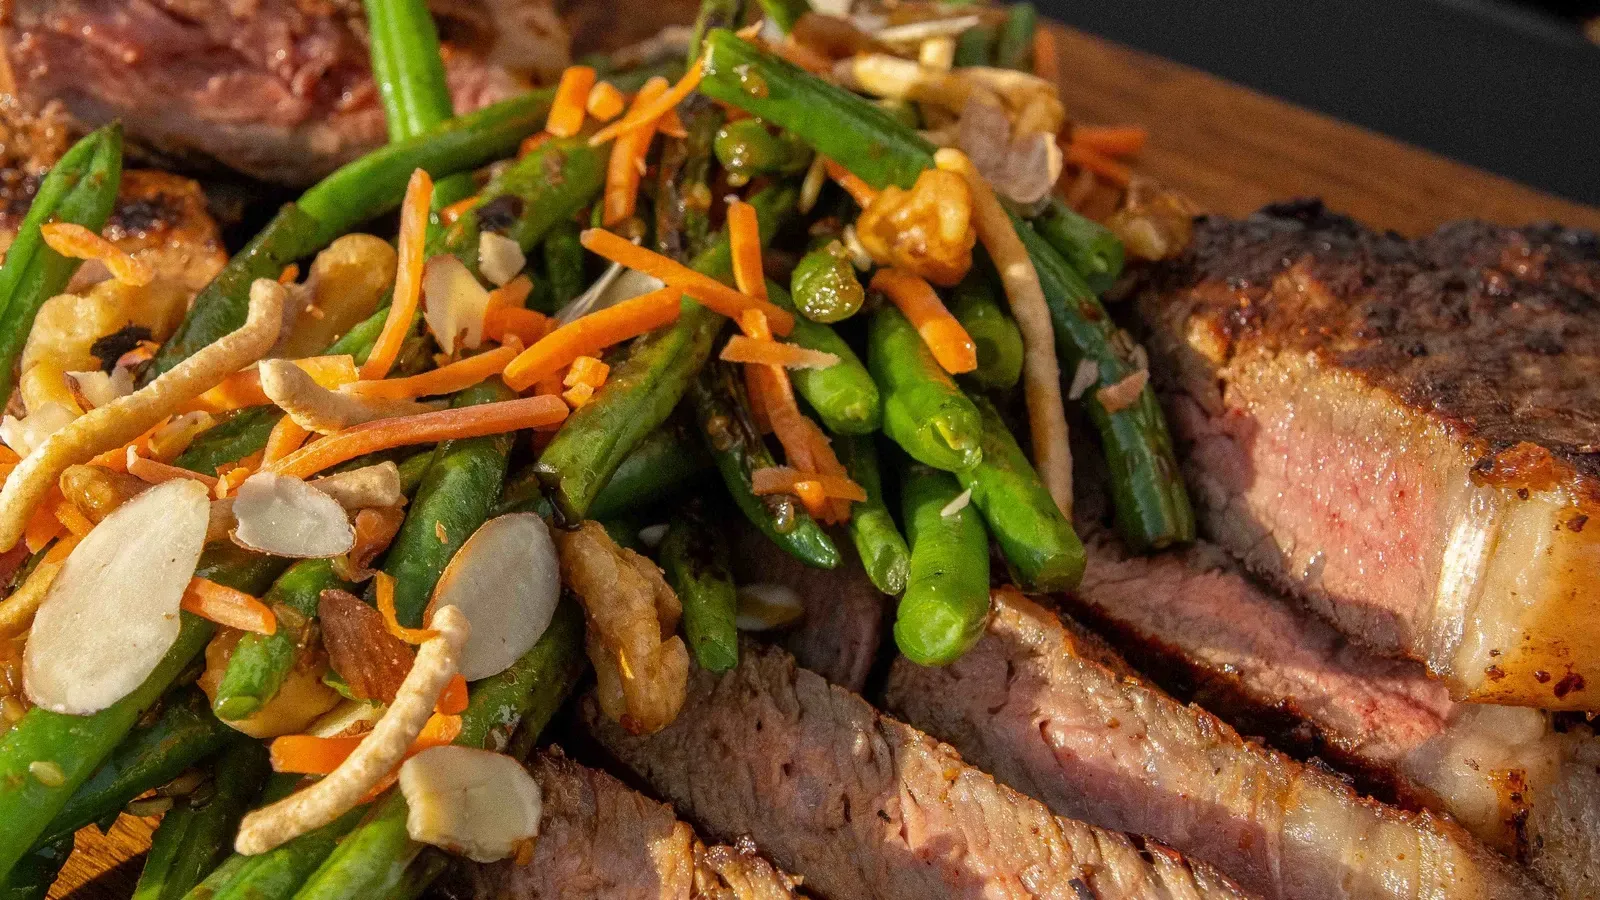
{"x": 600, "y": 840}
{"x": 861, "y": 805}
{"x": 1495, "y": 332}
{"x": 1036, "y": 703}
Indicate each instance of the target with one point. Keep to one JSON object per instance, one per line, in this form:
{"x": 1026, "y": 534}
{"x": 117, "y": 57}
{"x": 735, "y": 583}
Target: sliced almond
{"x": 349, "y": 718}
{"x": 283, "y": 516}
{"x": 364, "y": 488}
{"x": 361, "y": 650}
{"x": 469, "y": 801}
{"x": 112, "y": 612}
{"x": 500, "y": 258}
{"x": 764, "y": 606}
{"x": 453, "y": 304}
{"x": 507, "y": 580}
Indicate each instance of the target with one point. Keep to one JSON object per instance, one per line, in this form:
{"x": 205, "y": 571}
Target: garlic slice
{"x": 468, "y": 801}
{"x": 283, "y": 516}
{"x": 507, "y": 580}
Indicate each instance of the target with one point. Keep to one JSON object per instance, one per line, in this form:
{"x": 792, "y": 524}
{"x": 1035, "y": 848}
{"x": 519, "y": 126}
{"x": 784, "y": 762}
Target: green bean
{"x": 644, "y": 387}
{"x": 975, "y": 46}
{"x": 1147, "y": 489}
{"x": 358, "y": 191}
{"x": 1089, "y": 247}
{"x": 563, "y": 265}
{"x": 694, "y": 556}
{"x": 238, "y": 435}
{"x": 720, "y": 406}
{"x": 666, "y": 460}
{"x": 903, "y": 111}
{"x": 836, "y": 123}
{"x": 32, "y": 876}
{"x": 196, "y": 833}
{"x": 147, "y": 758}
{"x": 976, "y": 305}
{"x": 947, "y": 592}
{"x": 419, "y": 875}
{"x": 412, "y": 470}
{"x": 278, "y": 873}
{"x": 923, "y": 410}
{"x": 261, "y": 662}
{"x": 784, "y": 13}
{"x": 1036, "y": 538}
{"x": 409, "y": 70}
{"x": 541, "y": 190}
{"x": 370, "y": 861}
{"x": 1013, "y": 48}
{"x": 228, "y": 564}
{"x": 883, "y": 551}
{"x": 452, "y": 501}
{"x": 843, "y": 394}
{"x": 81, "y": 189}
{"x": 825, "y": 285}
{"x": 748, "y": 148}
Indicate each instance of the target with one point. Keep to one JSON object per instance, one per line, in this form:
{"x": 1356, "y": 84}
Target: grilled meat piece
{"x": 1405, "y": 434}
{"x": 278, "y": 89}
{"x": 1051, "y": 711}
{"x": 1203, "y": 629}
{"x": 861, "y": 805}
{"x": 843, "y": 625}
{"x": 598, "y": 839}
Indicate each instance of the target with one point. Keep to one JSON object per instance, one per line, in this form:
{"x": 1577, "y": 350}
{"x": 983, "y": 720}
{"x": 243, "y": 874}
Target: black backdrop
{"x": 1486, "y": 83}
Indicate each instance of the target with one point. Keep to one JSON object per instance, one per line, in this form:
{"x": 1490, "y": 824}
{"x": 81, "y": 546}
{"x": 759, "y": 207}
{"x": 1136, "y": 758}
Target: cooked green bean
{"x": 563, "y": 265}
{"x": 976, "y": 305}
{"x": 1013, "y": 47}
{"x": 240, "y": 434}
{"x": 261, "y": 662}
{"x": 946, "y": 601}
{"x": 747, "y": 148}
{"x": 843, "y": 395}
{"x": 32, "y": 876}
{"x": 784, "y": 13}
{"x": 825, "y": 286}
{"x": 198, "y": 831}
{"x": 669, "y": 458}
{"x": 1089, "y": 247}
{"x": 882, "y": 549}
{"x": 923, "y": 410}
{"x": 694, "y": 556}
{"x": 975, "y": 46}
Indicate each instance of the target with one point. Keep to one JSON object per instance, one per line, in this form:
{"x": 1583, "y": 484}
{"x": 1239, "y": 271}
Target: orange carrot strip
{"x": 527, "y": 326}
{"x": 950, "y": 343}
{"x": 116, "y": 459}
{"x": 577, "y": 395}
{"x": 305, "y": 754}
{"x": 587, "y": 370}
{"x": 448, "y": 379}
{"x": 229, "y": 481}
{"x": 744, "y": 240}
{"x": 290, "y": 274}
{"x": 243, "y": 388}
{"x": 79, "y": 242}
{"x": 642, "y": 115}
{"x": 453, "y": 699}
{"x": 588, "y": 335}
{"x": 8, "y": 455}
{"x": 707, "y": 291}
{"x": 813, "y": 497}
{"x": 408, "y": 278}
{"x": 226, "y": 606}
{"x": 572, "y": 95}
{"x": 754, "y": 385}
{"x": 859, "y": 190}
{"x": 384, "y": 583}
{"x": 605, "y": 101}
{"x": 43, "y": 526}
{"x": 671, "y": 125}
{"x": 511, "y": 295}
{"x": 627, "y": 165}
{"x": 285, "y": 438}
{"x": 781, "y": 480}
{"x": 1046, "y": 62}
{"x": 153, "y": 472}
{"x": 1086, "y": 157}
{"x": 76, "y": 523}
{"x": 423, "y": 428}
{"x": 741, "y": 349}
{"x": 454, "y": 211}
{"x": 1111, "y": 140}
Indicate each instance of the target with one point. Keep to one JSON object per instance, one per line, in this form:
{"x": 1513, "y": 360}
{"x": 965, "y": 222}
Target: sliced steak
{"x": 1405, "y": 434}
{"x": 861, "y": 805}
{"x": 843, "y": 625}
{"x": 1205, "y": 630}
{"x": 1051, "y": 711}
{"x": 278, "y": 89}
{"x": 600, "y": 840}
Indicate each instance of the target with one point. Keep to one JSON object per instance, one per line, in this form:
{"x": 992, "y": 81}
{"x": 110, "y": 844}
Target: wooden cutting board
{"x": 1230, "y": 149}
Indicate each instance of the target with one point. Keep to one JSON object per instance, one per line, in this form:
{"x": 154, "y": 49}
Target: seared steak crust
{"x": 862, "y": 806}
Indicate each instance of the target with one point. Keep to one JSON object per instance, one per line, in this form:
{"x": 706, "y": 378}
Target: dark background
{"x": 1513, "y": 88}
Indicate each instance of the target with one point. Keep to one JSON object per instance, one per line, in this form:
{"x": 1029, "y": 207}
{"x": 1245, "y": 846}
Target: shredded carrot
{"x": 1086, "y": 157}
{"x": 707, "y": 291}
{"x": 780, "y": 480}
{"x": 384, "y": 584}
{"x": 243, "y": 388}
{"x": 229, "y": 480}
{"x": 533, "y": 142}
{"x": 671, "y": 125}
{"x": 572, "y": 94}
{"x": 588, "y": 335}
{"x": 605, "y": 102}
{"x": 423, "y": 428}
{"x": 741, "y": 349}
{"x": 227, "y": 606}
{"x": 43, "y": 526}
{"x": 457, "y": 376}
{"x": 859, "y": 190}
{"x": 453, "y": 699}
{"x": 290, "y": 274}
{"x": 754, "y": 386}
{"x": 627, "y": 164}
{"x": 408, "y": 279}
{"x": 456, "y": 210}
{"x": 285, "y": 438}
{"x": 153, "y": 472}
{"x": 1111, "y": 140}
{"x": 1046, "y": 63}
{"x": 79, "y": 242}
{"x": 642, "y": 115}
{"x": 577, "y": 395}
{"x": 950, "y": 343}
{"x": 305, "y": 754}
{"x": 511, "y": 295}
{"x": 813, "y": 498}
{"x": 744, "y": 240}
{"x": 587, "y": 370}
{"x": 8, "y": 455}
{"x": 116, "y": 459}
{"x": 550, "y": 385}
{"x": 76, "y": 523}
{"x": 527, "y": 326}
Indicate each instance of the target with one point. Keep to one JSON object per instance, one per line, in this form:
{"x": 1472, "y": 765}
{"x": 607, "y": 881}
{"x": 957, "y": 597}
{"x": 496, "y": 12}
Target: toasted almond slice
{"x": 454, "y": 304}
{"x": 507, "y": 579}
{"x": 763, "y": 606}
{"x": 112, "y": 612}
{"x": 500, "y": 259}
{"x": 468, "y": 801}
{"x": 364, "y": 488}
{"x": 284, "y": 516}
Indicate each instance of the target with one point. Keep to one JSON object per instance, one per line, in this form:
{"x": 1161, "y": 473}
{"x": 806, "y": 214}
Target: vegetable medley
{"x": 308, "y": 570}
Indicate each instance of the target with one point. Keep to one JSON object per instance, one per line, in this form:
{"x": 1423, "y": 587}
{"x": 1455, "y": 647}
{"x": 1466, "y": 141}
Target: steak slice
{"x": 1055, "y": 714}
{"x": 864, "y": 806}
{"x": 1194, "y": 622}
{"x": 600, "y": 840}
{"x": 1405, "y": 434}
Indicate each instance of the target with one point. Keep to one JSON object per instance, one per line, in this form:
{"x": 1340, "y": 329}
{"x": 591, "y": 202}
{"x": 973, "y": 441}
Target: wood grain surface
{"x": 1230, "y": 149}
